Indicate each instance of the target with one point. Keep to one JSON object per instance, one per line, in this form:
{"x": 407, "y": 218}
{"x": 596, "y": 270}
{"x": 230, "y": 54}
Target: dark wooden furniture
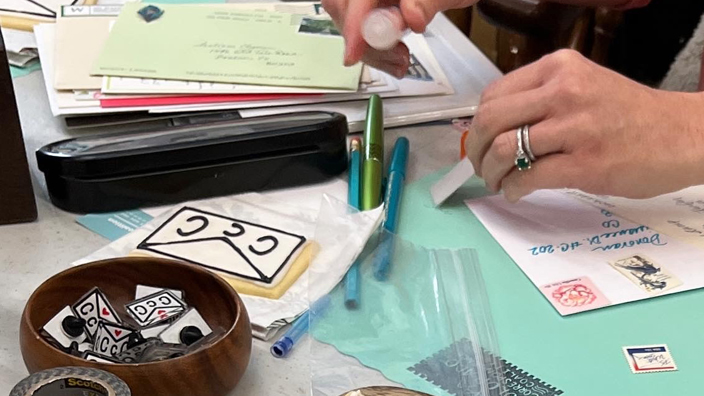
{"x": 214, "y": 370}
{"x": 16, "y": 196}
{"x": 527, "y": 30}
{"x": 462, "y": 18}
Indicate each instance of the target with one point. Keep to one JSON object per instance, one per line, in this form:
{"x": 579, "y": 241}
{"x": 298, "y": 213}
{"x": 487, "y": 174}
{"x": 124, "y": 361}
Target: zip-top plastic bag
{"x": 426, "y": 327}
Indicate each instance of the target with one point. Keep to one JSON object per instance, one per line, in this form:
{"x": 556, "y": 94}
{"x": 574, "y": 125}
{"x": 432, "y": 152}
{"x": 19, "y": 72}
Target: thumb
{"x": 355, "y": 46}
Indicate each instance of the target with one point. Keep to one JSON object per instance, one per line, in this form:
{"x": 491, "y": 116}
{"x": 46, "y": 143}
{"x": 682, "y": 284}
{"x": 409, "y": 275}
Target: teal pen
{"x": 373, "y": 165}
{"x": 394, "y": 190}
{"x": 353, "y": 193}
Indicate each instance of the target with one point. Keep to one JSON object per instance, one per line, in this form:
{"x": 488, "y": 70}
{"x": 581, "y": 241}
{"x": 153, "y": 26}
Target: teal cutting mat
{"x": 19, "y": 72}
{"x": 580, "y": 354}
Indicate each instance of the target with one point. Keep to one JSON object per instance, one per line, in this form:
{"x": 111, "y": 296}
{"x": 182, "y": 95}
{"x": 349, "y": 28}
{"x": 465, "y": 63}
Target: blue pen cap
{"x": 282, "y": 347}
{"x": 399, "y": 157}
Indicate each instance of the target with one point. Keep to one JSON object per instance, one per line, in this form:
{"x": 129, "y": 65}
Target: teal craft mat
{"x": 580, "y": 354}
{"x": 19, "y": 72}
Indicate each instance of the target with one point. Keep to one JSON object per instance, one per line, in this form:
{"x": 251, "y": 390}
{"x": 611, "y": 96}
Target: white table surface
{"x": 31, "y": 253}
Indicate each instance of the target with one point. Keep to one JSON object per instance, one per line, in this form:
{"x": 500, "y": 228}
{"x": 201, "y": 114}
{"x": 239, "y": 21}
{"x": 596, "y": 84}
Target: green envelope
{"x": 220, "y": 44}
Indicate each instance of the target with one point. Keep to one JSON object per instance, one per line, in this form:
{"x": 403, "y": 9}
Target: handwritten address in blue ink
{"x": 603, "y": 241}
{"x": 652, "y": 240}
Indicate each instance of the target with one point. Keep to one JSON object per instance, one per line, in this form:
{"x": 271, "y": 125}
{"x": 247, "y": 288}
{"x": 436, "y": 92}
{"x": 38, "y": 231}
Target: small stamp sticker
{"x": 322, "y": 27}
{"x": 151, "y": 13}
{"x": 574, "y": 295}
{"x": 646, "y": 274}
{"x": 416, "y": 71}
{"x": 649, "y": 358}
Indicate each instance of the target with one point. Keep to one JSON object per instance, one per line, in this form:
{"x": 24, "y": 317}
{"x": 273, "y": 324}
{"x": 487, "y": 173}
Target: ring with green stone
{"x": 522, "y": 161}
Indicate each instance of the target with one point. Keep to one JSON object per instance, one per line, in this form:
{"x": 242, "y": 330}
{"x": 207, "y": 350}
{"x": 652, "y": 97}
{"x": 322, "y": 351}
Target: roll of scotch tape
{"x": 71, "y": 381}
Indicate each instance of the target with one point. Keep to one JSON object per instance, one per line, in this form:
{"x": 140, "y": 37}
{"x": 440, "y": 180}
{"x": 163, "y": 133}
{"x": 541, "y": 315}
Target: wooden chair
{"x": 529, "y": 29}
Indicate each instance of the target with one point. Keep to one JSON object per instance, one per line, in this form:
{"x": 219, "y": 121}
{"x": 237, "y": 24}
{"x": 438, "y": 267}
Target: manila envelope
{"x": 81, "y": 33}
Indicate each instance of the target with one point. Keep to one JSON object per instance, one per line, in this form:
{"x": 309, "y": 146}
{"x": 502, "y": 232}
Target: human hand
{"x": 591, "y": 129}
{"x": 349, "y": 15}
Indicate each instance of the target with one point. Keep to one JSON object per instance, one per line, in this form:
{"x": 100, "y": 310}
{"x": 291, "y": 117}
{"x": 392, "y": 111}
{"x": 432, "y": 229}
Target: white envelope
{"x": 81, "y": 33}
{"x": 583, "y": 258}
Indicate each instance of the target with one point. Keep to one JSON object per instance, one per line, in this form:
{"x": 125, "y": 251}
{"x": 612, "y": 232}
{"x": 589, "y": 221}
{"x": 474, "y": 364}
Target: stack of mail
{"x": 161, "y": 58}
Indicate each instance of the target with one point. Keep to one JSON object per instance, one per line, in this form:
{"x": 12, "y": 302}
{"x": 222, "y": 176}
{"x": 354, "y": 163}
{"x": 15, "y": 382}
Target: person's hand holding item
{"x": 349, "y": 16}
{"x": 590, "y": 129}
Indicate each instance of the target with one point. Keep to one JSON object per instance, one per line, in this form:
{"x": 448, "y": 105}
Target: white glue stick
{"x": 383, "y": 28}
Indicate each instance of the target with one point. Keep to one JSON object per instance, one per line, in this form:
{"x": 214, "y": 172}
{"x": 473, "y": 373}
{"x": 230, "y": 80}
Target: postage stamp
{"x": 323, "y": 27}
{"x": 649, "y": 358}
{"x": 416, "y": 71}
{"x": 646, "y": 274}
{"x": 574, "y": 295}
{"x": 453, "y": 369}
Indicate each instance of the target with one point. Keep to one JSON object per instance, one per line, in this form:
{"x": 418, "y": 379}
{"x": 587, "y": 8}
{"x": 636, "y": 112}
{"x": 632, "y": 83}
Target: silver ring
{"x": 526, "y": 142}
{"x": 522, "y": 161}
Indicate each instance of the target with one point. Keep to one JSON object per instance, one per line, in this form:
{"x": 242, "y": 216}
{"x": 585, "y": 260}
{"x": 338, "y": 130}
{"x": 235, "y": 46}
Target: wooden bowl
{"x": 211, "y": 371}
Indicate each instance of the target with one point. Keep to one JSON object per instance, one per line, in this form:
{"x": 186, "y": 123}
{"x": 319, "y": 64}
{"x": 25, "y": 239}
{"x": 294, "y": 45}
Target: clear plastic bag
{"x": 427, "y": 327}
{"x": 338, "y": 233}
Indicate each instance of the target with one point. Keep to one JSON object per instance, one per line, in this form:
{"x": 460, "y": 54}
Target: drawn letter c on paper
{"x": 240, "y": 231}
{"x": 274, "y": 241}
{"x": 203, "y": 226}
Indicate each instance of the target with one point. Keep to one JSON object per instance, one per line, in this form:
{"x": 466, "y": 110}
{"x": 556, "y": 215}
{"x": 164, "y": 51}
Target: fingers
{"x": 545, "y": 95}
{"x": 335, "y": 9}
{"x": 395, "y": 61}
{"x": 500, "y": 158}
{"x": 533, "y": 75}
{"x": 554, "y": 171}
{"x": 355, "y": 12}
{"x": 419, "y": 13}
{"x": 501, "y": 115}
{"x": 524, "y": 79}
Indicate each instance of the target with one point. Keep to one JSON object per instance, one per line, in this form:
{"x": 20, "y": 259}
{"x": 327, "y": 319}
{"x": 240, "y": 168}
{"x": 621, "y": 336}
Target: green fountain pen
{"x": 373, "y": 165}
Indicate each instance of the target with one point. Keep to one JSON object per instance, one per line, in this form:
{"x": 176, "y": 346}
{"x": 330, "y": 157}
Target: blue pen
{"x": 283, "y": 346}
{"x": 392, "y": 199}
{"x": 353, "y": 196}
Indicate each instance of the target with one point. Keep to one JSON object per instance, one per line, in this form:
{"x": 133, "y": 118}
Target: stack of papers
{"x": 165, "y": 58}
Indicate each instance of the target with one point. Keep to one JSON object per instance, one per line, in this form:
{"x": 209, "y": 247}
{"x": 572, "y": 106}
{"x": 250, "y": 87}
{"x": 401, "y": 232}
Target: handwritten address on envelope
{"x": 581, "y": 257}
{"x": 679, "y": 214}
{"x": 220, "y": 44}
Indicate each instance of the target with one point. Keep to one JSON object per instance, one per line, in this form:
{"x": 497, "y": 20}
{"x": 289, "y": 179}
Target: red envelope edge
{"x": 195, "y": 99}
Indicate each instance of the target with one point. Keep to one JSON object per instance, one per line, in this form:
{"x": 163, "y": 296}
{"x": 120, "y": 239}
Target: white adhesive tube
{"x": 383, "y": 28}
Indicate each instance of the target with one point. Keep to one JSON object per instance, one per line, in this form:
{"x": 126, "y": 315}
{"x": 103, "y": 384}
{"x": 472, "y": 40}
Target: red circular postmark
{"x": 575, "y": 295}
